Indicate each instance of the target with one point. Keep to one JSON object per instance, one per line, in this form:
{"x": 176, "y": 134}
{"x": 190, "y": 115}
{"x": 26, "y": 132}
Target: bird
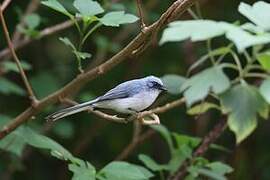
{"x": 129, "y": 97}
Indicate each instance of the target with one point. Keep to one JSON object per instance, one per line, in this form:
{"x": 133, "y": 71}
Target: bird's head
{"x": 155, "y": 83}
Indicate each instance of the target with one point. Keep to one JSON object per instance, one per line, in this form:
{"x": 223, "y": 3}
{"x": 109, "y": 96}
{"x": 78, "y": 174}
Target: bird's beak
{"x": 163, "y": 88}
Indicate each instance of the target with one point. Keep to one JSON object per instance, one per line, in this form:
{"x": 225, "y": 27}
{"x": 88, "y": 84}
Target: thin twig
{"x": 32, "y": 6}
{"x": 134, "y": 144}
{"x": 210, "y": 138}
{"x": 172, "y": 13}
{"x": 15, "y": 57}
{"x": 5, "y": 5}
{"x": 140, "y": 12}
{"x": 44, "y": 33}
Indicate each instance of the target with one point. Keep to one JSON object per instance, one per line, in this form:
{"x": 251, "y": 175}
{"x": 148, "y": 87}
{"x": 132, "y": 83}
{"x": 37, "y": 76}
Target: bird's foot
{"x": 155, "y": 120}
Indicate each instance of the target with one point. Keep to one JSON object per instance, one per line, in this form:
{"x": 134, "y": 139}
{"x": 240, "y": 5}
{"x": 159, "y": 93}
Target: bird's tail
{"x": 69, "y": 111}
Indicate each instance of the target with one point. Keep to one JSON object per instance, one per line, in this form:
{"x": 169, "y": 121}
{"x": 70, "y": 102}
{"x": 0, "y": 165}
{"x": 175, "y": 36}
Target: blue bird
{"x": 129, "y": 97}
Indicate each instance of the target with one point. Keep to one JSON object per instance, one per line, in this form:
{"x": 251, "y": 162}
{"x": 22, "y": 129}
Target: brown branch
{"x": 172, "y": 13}
{"x": 44, "y": 33}
{"x": 140, "y": 12}
{"x": 16, "y": 59}
{"x": 210, "y": 138}
{"x": 134, "y": 144}
{"x": 32, "y": 6}
{"x": 5, "y": 5}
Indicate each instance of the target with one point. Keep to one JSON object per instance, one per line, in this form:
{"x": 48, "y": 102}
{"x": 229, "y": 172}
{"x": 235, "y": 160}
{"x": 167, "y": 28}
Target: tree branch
{"x": 44, "y": 33}
{"x": 5, "y": 5}
{"x": 134, "y": 144}
{"x": 32, "y": 6}
{"x": 210, "y": 138}
{"x": 16, "y": 59}
{"x": 172, "y": 13}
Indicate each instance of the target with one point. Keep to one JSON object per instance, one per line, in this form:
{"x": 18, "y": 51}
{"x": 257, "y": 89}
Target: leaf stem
{"x": 90, "y": 32}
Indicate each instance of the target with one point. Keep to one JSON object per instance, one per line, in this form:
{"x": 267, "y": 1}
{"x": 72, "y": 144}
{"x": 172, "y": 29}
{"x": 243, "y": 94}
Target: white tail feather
{"x": 69, "y": 111}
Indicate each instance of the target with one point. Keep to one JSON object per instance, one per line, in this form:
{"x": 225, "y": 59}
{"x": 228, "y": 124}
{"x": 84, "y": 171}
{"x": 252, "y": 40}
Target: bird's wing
{"x": 124, "y": 90}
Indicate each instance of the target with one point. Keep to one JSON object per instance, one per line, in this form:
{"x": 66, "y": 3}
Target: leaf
{"x": 32, "y": 21}
{"x": 12, "y": 142}
{"x": 40, "y": 141}
{"x": 173, "y": 83}
{"x": 193, "y": 142}
{"x": 199, "y": 30}
{"x": 88, "y": 8}
{"x": 264, "y": 60}
{"x": 118, "y": 170}
{"x": 243, "y": 39}
{"x": 196, "y": 30}
{"x": 220, "y": 168}
{"x": 165, "y": 133}
{"x": 198, "y": 86}
{"x": 67, "y": 42}
{"x": 11, "y": 66}
{"x": 210, "y": 174}
{"x": 151, "y": 164}
{"x": 117, "y": 17}
{"x": 82, "y": 55}
{"x": 243, "y": 102}
{"x": 64, "y": 129}
{"x": 258, "y": 13}
{"x": 7, "y": 87}
{"x": 42, "y": 89}
{"x": 82, "y": 171}
{"x": 55, "y": 5}
{"x": 265, "y": 90}
{"x": 215, "y": 52}
{"x": 202, "y": 108}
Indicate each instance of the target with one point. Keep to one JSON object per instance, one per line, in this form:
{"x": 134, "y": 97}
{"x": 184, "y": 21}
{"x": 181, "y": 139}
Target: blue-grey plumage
{"x": 128, "y": 97}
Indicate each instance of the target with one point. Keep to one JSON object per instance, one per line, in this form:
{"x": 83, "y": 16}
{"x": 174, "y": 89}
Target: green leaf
{"x": 264, "y": 60}
{"x": 165, "y": 133}
{"x": 220, "y": 168}
{"x": 88, "y": 8}
{"x": 214, "y": 52}
{"x": 202, "y": 108}
{"x": 117, "y": 17}
{"x": 7, "y": 87}
{"x": 82, "y": 55}
{"x": 196, "y": 30}
{"x": 67, "y": 42}
{"x": 151, "y": 164}
{"x": 198, "y": 86}
{"x": 259, "y": 13}
{"x": 243, "y": 39}
{"x": 11, "y": 66}
{"x": 40, "y": 141}
{"x": 178, "y": 157}
{"x": 32, "y": 21}
{"x": 55, "y": 5}
{"x": 42, "y": 89}
{"x": 64, "y": 129}
{"x": 12, "y": 142}
{"x": 173, "y": 83}
{"x": 265, "y": 90}
{"x": 243, "y": 102}
{"x": 186, "y": 140}
{"x": 210, "y": 174}
{"x": 119, "y": 170}
{"x": 82, "y": 171}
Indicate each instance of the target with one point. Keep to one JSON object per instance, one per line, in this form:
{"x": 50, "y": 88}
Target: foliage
{"x": 230, "y": 78}
{"x": 241, "y": 102}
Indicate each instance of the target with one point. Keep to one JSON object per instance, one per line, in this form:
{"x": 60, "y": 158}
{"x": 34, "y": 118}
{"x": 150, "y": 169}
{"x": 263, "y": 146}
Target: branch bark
{"x": 210, "y": 138}
{"x": 44, "y": 33}
{"x": 16, "y": 59}
{"x": 173, "y": 12}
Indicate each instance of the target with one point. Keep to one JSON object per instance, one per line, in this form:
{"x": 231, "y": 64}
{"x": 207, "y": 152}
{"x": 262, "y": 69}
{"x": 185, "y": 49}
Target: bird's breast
{"x": 138, "y": 102}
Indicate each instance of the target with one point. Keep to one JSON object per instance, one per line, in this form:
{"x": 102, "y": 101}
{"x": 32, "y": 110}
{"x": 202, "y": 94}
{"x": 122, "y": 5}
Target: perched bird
{"x": 129, "y": 97}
